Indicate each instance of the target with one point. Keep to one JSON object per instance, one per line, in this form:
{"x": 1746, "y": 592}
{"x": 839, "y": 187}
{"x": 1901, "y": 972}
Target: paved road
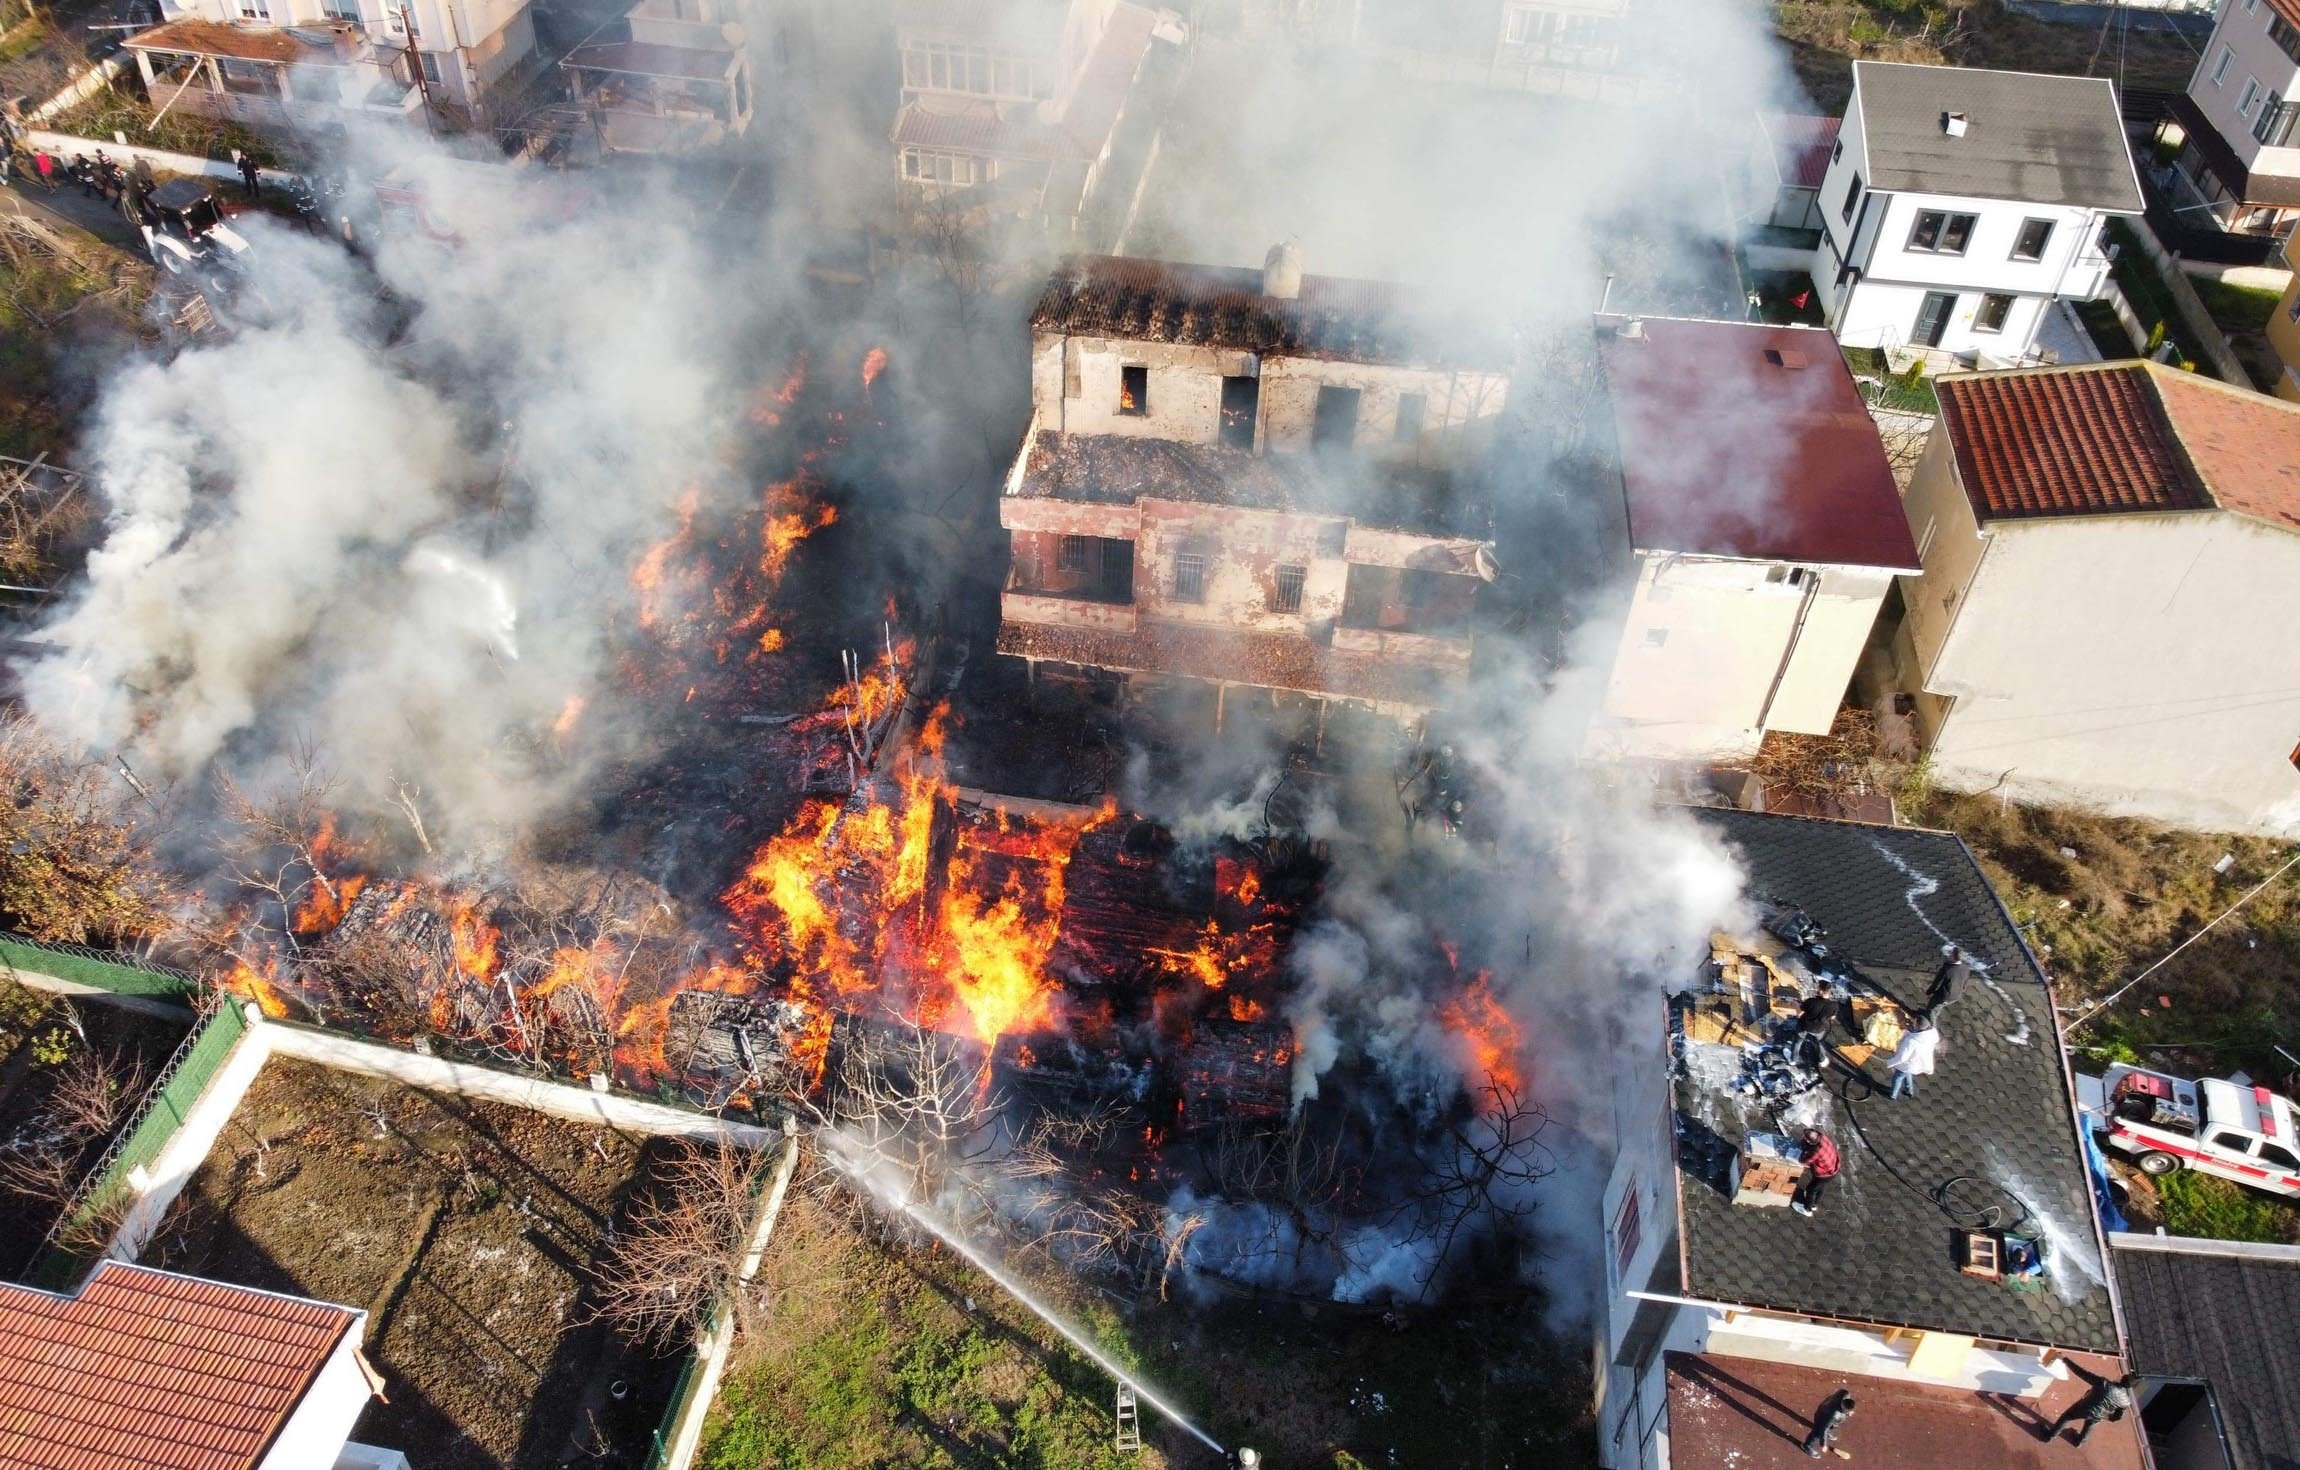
{"x": 2194, "y": 24}
{"x": 67, "y": 205}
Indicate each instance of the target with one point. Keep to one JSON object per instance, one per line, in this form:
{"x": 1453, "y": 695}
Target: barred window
{"x": 1190, "y": 576}
{"x": 1071, "y": 556}
{"x": 1286, "y": 593}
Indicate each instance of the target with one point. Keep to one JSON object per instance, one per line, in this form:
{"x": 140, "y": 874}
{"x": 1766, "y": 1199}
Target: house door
{"x": 1933, "y": 318}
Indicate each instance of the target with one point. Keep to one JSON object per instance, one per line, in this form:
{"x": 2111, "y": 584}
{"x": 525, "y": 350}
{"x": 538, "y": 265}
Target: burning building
{"x": 1952, "y": 1264}
{"x": 1250, "y": 479}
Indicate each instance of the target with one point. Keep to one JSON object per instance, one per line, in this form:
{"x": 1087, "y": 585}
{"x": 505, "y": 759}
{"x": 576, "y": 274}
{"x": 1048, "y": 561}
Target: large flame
{"x": 1490, "y": 1041}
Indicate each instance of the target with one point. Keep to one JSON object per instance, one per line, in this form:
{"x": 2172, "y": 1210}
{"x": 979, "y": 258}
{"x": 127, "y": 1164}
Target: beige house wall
{"x": 1074, "y": 388}
{"x": 1707, "y": 643}
{"x": 2141, "y": 664}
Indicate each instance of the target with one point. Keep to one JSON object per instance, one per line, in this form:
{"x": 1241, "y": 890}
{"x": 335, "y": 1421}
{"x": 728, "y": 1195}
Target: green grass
{"x": 110, "y": 112}
{"x": 1910, "y": 392}
{"x": 2199, "y": 1204}
{"x": 2236, "y": 308}
{"x": 2151, "y": 299}
{"x": 23, "y": 41}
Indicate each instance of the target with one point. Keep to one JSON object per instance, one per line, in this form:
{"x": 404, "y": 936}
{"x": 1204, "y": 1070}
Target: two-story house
{"x": 288, "y": 63}
{"x": 1564, "y": 48}
{"x": 1950, "y": 1278}
{"x": 1022, "y": 102}
{"x": 1764, "y": 526}
{"x": 2111, "y": 562}
{"x": 2239, "y": 163}
{"x": 1248, "y": 478}
{"x": 674, "y": 75}
{"x": 1959, "y": 204}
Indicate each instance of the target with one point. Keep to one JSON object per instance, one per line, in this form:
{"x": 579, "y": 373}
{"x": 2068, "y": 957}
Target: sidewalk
{"x": 68, "y": 206}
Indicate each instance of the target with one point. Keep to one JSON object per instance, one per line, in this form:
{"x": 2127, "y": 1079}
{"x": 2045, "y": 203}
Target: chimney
{"x": 1282, "y": 271}
{"x": 1955, "y": 123}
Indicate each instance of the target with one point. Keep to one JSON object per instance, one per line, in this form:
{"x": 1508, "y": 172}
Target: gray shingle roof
{"x": 2050, "y": 140}
{"x": 2229, "y": 1321}
{"x": 1995, "y": 1116}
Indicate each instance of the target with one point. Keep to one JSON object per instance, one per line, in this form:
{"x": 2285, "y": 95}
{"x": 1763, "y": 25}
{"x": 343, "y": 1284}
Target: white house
{"x": 1765, "y": 528}
{"x": 1958, "y": 204}
{"x": 2239, "y": 164}
{"x": 298, "y": 62}
{"x": 676, "y": 75}
{"x": 148, "y": 1368}
{"x": 1731, "y": 1319}
{"x": 2112, "y": 565}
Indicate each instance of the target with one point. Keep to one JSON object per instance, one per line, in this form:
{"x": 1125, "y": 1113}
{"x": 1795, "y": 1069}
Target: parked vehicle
{"x": 187, "y": 235}
{"x": 2245, "y": 1134}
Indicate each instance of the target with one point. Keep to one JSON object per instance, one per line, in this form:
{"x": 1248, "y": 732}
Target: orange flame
{"x": 874, "y": 363}
{"x": 1491, "y": 1040}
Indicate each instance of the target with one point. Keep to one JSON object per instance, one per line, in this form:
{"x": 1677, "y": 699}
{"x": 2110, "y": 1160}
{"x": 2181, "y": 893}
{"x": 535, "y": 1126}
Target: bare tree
{"x": 917, "y": 1101}
{"x": 89, "y": 1095}
{"x": 1481, "y": 1172}
{"x": 279, "y": 843}
{"x": 679, "y": 1251}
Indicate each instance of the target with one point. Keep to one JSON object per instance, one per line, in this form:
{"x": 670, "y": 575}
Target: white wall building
{"x": 2112, "y": 563}
{"x": 1765, "y": 529}
{"x": 1731, "y": 1320}
{"x": 1959, "y": 204}
{"x": 2239, "y": 163}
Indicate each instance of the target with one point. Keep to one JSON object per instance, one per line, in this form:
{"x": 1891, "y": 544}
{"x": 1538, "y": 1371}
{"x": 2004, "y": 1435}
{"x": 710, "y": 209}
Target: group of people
{"x": 1911, "y": 1058}
{"x": 2105, "y": 1400}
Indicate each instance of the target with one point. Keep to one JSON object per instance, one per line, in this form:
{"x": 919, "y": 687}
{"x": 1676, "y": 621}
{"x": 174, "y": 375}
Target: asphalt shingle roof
{"x": 149, "y": 1369}
{"x": 2044, "y": 139}
{"x": 2229, "y": 1321}
{"x": 1995, "y": 1118}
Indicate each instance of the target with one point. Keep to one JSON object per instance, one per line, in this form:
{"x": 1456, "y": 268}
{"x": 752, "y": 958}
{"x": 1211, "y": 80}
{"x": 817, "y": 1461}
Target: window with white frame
{"x": 2247, "y": 97}
{"x": 978, "y": 70}
{"x": 2220, "y": 67}
{"x": 923, "y": 166}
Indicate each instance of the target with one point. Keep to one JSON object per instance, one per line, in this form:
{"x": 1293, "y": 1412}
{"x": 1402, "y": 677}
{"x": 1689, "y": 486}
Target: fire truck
{"x": 2244, "y": 1134}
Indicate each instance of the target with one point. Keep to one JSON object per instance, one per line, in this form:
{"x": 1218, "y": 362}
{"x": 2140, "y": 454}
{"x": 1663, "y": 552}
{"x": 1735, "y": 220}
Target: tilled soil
{"x": 465, "y": 1229}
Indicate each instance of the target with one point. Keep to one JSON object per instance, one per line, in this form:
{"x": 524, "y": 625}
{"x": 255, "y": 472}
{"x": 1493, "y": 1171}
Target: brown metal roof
{"x": 1144, "y": 300}
{"x": 207, "y": 38}
{"x": 1801, "y": 147}
{"x": 1755, "y": 1415}
{"x": 1748, "y": 440}
{"x": 153, "y": 1370}
{"x": 2120, "y": 438}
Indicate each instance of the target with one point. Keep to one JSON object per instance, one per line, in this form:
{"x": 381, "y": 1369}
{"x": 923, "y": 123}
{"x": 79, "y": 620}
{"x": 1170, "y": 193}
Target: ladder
{"x": 1129, "y": 1419}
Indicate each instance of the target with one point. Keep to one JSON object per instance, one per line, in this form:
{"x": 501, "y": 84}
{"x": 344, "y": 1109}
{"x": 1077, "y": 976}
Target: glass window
{"x": 1941, "y": 233}
{"x": 2282, "y": 32}
{"x": 1995, "y": 309}
{"x": 2231, "y": 1141}
{"x": 2035, "y": 235}
{"x": 1852, "y": 196}
{"x": 2227, "y": 56}
{"x": 1286, "y": 590}
{"x": 1190, "y": 576}
{"x": 2248, "y": 96}
{"x": 2278, "y": 1156}
{"x": 1412, "y": 408}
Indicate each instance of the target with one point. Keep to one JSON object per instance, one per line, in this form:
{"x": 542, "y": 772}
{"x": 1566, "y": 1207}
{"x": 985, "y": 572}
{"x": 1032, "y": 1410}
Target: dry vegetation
{"x": 64, "y": 296}
{"x": 1825, "y": 37}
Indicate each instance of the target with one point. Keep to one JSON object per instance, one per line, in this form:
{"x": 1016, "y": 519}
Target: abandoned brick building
{"x": 1251, "y": 479}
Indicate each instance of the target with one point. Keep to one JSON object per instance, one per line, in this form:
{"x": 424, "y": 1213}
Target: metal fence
{"x": 148, "y": 1130}
{"x": 681, "y": 1397}
{"x": 103, "y": 969}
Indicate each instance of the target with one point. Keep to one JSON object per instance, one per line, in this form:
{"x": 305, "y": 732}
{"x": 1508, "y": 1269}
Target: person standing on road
{"x": 250, "y": 175}
{"x": 44, "y": 164}
{"x": 1913, "y": 1058}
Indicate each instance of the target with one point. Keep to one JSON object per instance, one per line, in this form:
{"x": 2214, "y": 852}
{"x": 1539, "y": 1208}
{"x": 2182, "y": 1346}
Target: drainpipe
{"x": 1789, "y": 654}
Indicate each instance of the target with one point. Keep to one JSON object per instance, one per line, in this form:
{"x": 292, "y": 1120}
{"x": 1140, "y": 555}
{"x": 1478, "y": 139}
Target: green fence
{"x": 104, "y": 970}
{"x": 681, "y": 1397}
{"x": 65, "y": 1256}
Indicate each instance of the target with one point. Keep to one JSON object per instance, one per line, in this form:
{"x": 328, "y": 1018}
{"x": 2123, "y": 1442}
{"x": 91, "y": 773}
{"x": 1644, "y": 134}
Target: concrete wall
{"x": 2135, "y": 663}
{"x": 1075, "y": 383}
{"x": 322, "y": 1421}
{"x": 1703, "y": 643}
{"x": 2243, "y": 29}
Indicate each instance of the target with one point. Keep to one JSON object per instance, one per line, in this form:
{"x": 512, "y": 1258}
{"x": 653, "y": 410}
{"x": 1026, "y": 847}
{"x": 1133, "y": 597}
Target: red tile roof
{"x": 1801, "y": 147}
{"x": 1747, "y": 440}
{"x": 154, "y": 1371}
{"x": 1755, "y": 1415}
{"x": 2119, "y": 438}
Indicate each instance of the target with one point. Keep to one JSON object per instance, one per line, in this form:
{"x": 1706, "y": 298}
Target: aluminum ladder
{"x": 1129, "y": 1419}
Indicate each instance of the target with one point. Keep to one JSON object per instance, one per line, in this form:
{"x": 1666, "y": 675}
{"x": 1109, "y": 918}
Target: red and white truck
{"x": 2241, "y": 1133}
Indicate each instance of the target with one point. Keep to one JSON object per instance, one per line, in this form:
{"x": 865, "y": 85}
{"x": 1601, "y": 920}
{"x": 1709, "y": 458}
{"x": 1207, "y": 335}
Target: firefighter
{"x": 2108, "y": 1398}
{"x": 1832, "y": 1415}
{"x": 249, "y": 175}
{"x": 1949, "y": 981}
{"x": 1821, "y": 1165}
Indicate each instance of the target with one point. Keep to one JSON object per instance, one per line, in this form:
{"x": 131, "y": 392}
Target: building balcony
{"x": 1082, "y": 609}
{"x": 1424, "y": 648}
